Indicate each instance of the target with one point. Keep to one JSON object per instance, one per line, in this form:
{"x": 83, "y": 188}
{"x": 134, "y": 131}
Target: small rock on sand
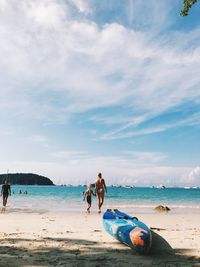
{"x": 161, "y": 208}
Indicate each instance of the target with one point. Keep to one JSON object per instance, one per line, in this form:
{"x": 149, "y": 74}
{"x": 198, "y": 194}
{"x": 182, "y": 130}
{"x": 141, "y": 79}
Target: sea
{"x": 134, "y": 200}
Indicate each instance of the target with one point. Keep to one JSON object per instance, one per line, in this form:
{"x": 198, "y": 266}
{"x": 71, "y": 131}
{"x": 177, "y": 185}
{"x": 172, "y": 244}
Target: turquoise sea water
{"x": 69, "y": 198}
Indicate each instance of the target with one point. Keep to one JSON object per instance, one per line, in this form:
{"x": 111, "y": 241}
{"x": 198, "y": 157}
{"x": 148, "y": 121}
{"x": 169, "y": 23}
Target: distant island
{"x": 25, "y": 179}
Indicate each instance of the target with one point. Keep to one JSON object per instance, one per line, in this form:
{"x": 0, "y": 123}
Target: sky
{"x": 106, "y": 86}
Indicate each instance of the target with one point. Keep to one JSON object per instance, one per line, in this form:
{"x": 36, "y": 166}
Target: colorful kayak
{"x": 128, "y": 230}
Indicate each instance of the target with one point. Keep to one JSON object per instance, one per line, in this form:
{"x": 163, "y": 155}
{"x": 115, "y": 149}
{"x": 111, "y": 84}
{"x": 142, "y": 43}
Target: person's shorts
{"x": 89, "y": 199}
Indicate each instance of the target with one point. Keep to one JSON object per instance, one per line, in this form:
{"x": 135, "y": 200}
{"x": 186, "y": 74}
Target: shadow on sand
{"x": 85, "y": 253}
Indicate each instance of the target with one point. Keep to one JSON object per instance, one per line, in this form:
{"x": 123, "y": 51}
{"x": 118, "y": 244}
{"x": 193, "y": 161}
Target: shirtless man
{"x": 5, "y": 191}
{"x": 100, "y": 189}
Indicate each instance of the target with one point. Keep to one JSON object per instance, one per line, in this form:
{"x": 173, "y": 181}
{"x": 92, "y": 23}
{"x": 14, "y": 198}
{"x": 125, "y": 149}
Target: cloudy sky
{"x": 107, "y": 86}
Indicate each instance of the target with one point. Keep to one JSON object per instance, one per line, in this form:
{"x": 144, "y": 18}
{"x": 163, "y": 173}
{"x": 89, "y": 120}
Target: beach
{"x": 100, "y": 125}
{"x": 40, "y": 238}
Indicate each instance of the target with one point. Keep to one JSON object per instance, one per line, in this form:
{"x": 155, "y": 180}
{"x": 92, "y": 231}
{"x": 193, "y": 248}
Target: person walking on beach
{"x": 100, "y": 190}
{"x": 5, "y": 191}
{"x": 88, "y": 195}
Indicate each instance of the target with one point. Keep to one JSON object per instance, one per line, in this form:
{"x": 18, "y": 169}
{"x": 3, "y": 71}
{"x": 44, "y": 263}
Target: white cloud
{"x": 147, "y": 157}
{"x": 44, "y": 50}
{"x": 116, "y": 170}
{"x": 128, "y": 134}
{"x": 47, "y": 13}
{"x": 194, "y": 176}
{"x": 38, "y": 140}
{"x": 136, "y": 157}
{"x": 150, "y": 16}
{"x": 69, "y": 155}
{"x": 82, "y": 6}
{"x": 132, "y": 131}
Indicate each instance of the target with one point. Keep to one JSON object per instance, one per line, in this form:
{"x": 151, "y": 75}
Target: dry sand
{"x": 53, "y": 239}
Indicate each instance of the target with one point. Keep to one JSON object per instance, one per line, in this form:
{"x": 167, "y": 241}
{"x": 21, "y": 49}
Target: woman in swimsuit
{"x": 100, "y": 189}
{"x": 88, "y": 194}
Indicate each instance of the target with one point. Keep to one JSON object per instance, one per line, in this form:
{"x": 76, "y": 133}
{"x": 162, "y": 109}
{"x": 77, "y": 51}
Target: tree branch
{"x": 187, "y": 4}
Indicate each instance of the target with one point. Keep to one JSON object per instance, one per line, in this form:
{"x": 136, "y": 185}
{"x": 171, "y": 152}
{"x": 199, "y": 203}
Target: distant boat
{"x": 191, "y": 187}
{"x": 128, "y": 186}
{"x": 161, "y": 187}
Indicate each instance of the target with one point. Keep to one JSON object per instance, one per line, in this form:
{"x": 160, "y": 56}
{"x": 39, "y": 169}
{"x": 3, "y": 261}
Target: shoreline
{"x": 80, "y": 207}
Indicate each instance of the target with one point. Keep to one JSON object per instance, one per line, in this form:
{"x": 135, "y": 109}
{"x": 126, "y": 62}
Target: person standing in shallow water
{"x": 88, "y": 195}
{"x": 100, "y": 187}
{"x": 5, "y": 191}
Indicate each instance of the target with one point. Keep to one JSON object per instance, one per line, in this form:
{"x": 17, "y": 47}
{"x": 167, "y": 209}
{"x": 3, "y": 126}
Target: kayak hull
{"x": 128, "y": 230}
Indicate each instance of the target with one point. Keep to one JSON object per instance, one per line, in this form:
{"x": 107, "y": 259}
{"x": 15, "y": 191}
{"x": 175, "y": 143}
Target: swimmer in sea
{"x": 88, "y": 195}
{"x": 5, "y": 191}
{"x": 100, "y": 190}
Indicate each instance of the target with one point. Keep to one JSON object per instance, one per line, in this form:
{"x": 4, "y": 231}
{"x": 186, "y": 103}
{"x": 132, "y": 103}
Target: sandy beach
{"x": 72, "y": 239}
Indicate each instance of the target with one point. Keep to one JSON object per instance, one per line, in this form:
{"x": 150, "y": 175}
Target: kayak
{"x": 128, "y": 230}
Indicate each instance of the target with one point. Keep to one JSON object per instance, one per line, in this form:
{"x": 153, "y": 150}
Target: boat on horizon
{"x": 161, "y": 187}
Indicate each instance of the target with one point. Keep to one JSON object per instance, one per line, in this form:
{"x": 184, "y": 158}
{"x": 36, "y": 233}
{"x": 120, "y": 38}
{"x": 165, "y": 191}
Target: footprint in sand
{"x": 3, "y": 209}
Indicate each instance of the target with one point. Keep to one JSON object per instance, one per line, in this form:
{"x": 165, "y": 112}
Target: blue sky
{"x": 100, "y": 86}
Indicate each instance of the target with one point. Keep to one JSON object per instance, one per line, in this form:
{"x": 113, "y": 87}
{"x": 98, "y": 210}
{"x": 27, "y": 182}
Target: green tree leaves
{"x": 187, "y": 4}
